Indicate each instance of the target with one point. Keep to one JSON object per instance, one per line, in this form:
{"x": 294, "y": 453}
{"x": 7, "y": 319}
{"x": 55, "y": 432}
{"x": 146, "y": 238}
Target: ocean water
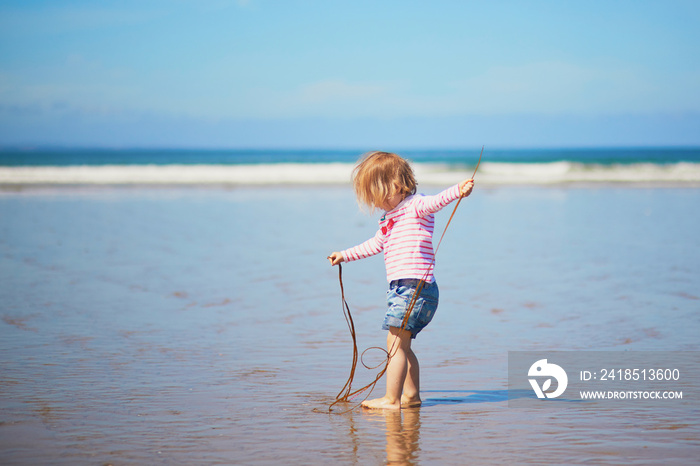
{"x": 603, "y": 156}
{"x": 655, "y": 166}
{"x": 203, "y": 325}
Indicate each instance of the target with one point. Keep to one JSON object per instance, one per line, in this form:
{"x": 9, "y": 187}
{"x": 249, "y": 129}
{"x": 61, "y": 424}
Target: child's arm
{"x": 431, "y": 204}
{"x": 466, "y": 186}
{"x": 372, "y": 246}
{"x": 336, "y": 258}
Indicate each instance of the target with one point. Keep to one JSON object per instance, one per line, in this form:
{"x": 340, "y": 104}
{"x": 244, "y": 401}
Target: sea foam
{"x": 490, "y": 173}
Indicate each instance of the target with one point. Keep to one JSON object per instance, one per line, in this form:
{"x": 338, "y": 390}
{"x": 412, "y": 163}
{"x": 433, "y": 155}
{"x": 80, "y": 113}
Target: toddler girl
{"x": 385, "y": 180}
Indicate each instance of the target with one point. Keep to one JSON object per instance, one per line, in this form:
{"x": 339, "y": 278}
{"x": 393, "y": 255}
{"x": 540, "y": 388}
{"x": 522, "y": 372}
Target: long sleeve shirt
{"x": 406, "y": 236}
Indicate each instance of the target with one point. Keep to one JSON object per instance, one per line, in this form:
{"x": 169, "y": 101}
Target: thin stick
{"x": 478, "y": 163}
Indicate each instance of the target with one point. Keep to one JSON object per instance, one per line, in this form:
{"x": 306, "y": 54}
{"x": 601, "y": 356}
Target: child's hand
{"x": 465, "y": 187}
{"x": 336, "y": 258}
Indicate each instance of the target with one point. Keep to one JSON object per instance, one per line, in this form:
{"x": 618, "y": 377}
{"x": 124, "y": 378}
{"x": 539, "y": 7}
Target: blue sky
{"x": 263, "y": 73}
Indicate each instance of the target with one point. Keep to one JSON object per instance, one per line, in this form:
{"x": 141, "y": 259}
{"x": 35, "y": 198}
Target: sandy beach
{"x": 201, "y": 325}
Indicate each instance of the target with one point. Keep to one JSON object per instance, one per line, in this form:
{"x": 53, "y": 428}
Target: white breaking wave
{"x": 333, "y": 173}
{"x": 572, "y": 172}
{"x": 490, "y": 173}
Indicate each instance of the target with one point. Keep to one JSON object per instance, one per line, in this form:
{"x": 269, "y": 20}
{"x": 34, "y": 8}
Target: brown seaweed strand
{"x": 351, "y": 326}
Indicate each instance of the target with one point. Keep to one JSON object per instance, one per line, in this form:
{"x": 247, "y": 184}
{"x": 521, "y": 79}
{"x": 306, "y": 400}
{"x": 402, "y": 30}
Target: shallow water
{"x": 181, "y": 326}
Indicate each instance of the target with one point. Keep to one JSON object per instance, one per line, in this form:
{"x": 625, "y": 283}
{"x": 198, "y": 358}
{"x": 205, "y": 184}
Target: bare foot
{"x": 407, "y": 402}
{"x": 380, "y": 403}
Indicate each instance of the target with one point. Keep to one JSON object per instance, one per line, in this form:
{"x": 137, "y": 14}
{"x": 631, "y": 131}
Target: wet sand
{"x": 203, "y": 325}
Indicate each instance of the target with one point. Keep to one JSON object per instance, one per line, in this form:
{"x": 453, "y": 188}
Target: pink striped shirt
{"x": 406, "y": 236}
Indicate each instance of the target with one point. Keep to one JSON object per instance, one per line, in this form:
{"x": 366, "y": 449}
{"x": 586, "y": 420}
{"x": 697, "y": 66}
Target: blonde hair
{"x": 381, "y": 175}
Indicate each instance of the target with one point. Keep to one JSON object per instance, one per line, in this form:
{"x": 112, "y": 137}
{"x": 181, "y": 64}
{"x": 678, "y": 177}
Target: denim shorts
{"x": 398, "y": 299}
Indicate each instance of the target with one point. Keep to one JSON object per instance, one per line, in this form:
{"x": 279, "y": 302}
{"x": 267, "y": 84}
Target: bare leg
{"x": 399, "y": 346}
{"x": 411, "y": 386}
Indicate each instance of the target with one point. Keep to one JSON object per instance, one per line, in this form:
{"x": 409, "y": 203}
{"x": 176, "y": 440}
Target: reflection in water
{"x": 402, "y": 435}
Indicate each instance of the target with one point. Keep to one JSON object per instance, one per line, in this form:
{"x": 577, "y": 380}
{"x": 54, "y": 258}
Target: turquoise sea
{"x": 666, "y": 166}
{"x": 605, "y": 156}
